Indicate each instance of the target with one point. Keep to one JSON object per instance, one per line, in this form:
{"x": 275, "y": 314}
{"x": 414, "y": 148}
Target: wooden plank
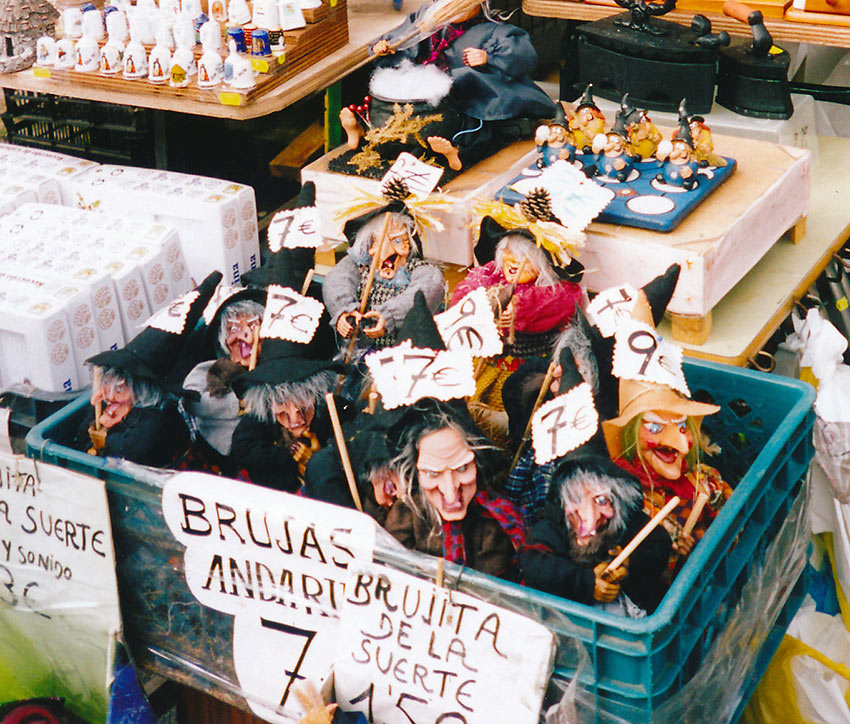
{"x": 779, "y": 28}
{"x": 297, "y": 154}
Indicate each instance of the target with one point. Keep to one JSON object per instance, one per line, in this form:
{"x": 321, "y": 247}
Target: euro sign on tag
{"x": 420, "y": 177}
{"x": 172, "y": 317}
{"x": 611, "y": 307}
{"x": 641, "y": 354}
{"x": 289, "y": 315}
{"x": 469, "y": 326}
{"x": 294, "y": 228}
{"x": 404, "y": 374}
{"x": 562, "y": 424}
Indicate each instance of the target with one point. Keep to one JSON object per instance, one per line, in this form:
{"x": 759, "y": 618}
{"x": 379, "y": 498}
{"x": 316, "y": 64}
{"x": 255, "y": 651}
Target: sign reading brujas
{"x": 276, "y": 562}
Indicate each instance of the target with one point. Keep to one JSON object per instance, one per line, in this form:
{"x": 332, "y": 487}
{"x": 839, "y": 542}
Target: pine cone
{"x": 537, "y": 205}
{"x": 396, "y": 190}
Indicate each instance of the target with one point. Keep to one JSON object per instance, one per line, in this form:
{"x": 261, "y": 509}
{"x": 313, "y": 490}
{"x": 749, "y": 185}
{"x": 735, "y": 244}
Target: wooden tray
{"x": 304, "y": 47}
{"x": 769, "y": 8}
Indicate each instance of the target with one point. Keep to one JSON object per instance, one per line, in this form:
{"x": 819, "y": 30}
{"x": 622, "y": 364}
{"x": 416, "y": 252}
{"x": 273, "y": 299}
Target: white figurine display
{"x": 45, "y": 52}
{"x": 210, "y": 66}
{"x": 135, "y": 56}
{"x": 238, "y": 71}
{"x": 66, "y": 56}
{"x": 112, "y": 57}
{"x": 87, "y": 54}
{"x": 238, "y": 12}
{"x": 159, "y": 64}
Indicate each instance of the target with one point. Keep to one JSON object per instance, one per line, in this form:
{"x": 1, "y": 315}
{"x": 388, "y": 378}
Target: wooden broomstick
{"x": 547, "y": 380}
{"x": 520, "y": 271}
{"x": 440, "y": 14}
{"x": 255, "y": 345}
{"x": 641, "y": 535}
{"x": 96, "y": 433}
{"x": 367, "y": 287}
{"x": 343, "y": 451}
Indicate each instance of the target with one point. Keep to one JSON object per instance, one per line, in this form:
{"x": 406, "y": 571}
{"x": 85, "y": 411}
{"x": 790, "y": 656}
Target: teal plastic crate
{"x": 635, "y": 666}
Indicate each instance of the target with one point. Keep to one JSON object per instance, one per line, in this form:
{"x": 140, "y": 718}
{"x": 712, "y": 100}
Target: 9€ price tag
{"x": 172, "y": 317}
{"x": 290, "y": 315}
{"x": 612, "y": 307}
{"x": 641, "y": 354}
{"x": 420, "y": 177}
{"x": 404, "y": 374}
{"x": 562, "y": 424}
{"x": 294, "y": 228}
{"x": 469, "y": 326}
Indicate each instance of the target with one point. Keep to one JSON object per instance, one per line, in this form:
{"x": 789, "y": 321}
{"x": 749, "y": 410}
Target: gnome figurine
{"x": 678, "y": 159}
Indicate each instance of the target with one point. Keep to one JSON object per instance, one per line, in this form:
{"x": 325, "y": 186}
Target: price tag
{"x": 611, "y": 307}
{"x": 641, "y": 354}
{"x": 221, "y": 294}
{"x": 172, "y": 317}
{"x": 469, "y": 326}
{"x": 421, "y": 178}
{"x": 289, "y": 315}
{"x": 562, "y": 424}
{"x": 294, "y": 228}
{"x": 405, "y": 374}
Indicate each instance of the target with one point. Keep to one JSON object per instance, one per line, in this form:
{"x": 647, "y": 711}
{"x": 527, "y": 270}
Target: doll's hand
{"x": 541, "y": 135}
{"x": 383, "y": 47}
{"x": 605, "y": 590}
{"x": 686, "y": 171}
{"x": 373, "y": 331}
{"x": 684, "y": 544}
{"x": 504, "y": 320}
{"x": 300, "y": 451}
{"x": 474, "y": 57}
{"x": 345, "y": 323}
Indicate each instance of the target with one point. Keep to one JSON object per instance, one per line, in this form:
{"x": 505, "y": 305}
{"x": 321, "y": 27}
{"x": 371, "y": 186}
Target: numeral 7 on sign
{"x": 295, "y": 631}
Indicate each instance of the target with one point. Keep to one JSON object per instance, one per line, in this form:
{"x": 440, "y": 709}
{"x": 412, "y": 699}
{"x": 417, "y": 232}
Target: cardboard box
{"x": 57, "y": 167}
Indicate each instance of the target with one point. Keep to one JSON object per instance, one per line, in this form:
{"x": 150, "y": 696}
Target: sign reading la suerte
{"x": 278, "y": 563}
{"x": 412, "y": 653}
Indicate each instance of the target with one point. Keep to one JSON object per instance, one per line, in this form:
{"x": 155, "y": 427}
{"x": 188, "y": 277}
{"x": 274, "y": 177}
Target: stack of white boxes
{"x": 76, "y": 283}
{"x": 30, "y": 174}
{"x": 216, "y": 219}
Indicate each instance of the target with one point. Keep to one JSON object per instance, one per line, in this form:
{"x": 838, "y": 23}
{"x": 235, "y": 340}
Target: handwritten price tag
{"x": 404, "y": 374}
{"x": 469, "y": 326}
{"x": 293, "y": 228}
{"x": 421, "y": 178}
{"x": 172, "y": 317}
{"x": 221, "y": 294}
{"x": 289, "y": 315}
{"x": 640, "y": 354}
{"x": 611, "y": 307}
{"x": 562, "y": 424}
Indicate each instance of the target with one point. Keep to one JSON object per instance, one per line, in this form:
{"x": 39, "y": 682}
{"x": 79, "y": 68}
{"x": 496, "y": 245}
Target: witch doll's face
{"x": 394, "y": 251}
{"x": 664, "y": 440}
{"x": 116, "y": 400}
{"x": 448, "y": 475}
{"x": 293, "y": 418}
{"x": 242, "y": 333}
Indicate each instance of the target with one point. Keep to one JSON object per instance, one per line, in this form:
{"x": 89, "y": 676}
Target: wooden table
{"x": 781, "y": 30}
{"x": 753, "y": 310}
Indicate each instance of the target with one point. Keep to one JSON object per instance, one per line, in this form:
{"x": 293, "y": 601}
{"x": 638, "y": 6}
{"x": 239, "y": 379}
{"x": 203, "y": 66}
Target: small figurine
{"x": 594, "y": 509}
{"x": 611, "y": 148}
{"x": 702, "y": 140}
{"x": 555, "y": 141}
{"x": 135, "y": 56}
{"x": 678, "y": 161}
{"x": 643, "y": 136}
{"x": 160, "y": 58}
{"x": 65, "y": 55}
{"x": 45, "y": 52}
{"x": 587, "y": 122}
{"x": 87, "y": 54}
{"x": 446, "y": 507}
{"x": 238, "y": 71}
{"x": 111, "y": 57}
{"x": 238, "y": 12}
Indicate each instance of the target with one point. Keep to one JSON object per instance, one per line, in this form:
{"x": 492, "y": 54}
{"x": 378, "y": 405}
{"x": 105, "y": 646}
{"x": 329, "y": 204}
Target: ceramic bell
{"x": 72, "y": 19}
{"x": 117, "y": 28}
{"x": 66, "y": 56}
{"x": 210, "y": 69}
{"x": 191, "y": 8}
{"x": 238, "y": 12}
{"x": 142, "y": 25}
{"x": 291, "y": 17}
{"x": 135, "y": 58}
{"x": 159, "y": 63}
{"x": 218, "y": 10}
{"x": 45, "y": 52}
{"x": 211, "y": 36}
{"x": 183, "y": 67}
{"x": 184, "y": 32}
{"x": 112, "y": 57}
{"x": 87, "y": 55}
{"x": 238, "y": 71}
{"x": 93, "y": 24}
{"x": 165, "y": 32}
{"x": 172, "y": 7}
{"x": 266, "y": 14}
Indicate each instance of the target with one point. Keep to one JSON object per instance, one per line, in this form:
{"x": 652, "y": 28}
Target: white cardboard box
{"x": 56, "y": 166}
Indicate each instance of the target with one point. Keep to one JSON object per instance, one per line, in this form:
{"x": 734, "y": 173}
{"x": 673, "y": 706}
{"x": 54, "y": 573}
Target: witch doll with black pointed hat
{"x": 530, "y": 272}
{"x": 446, "y": 466}
{"x": 134, "y": 395}
{"x": 555, "y": 141}
{"x": 643, "y": 136}
{"x": 587, "y": 121}
{"x": 677, "y": 156}
{"x": 611, "y": 149}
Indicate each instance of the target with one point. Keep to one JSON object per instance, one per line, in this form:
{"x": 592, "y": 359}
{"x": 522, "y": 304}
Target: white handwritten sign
{"x": 421, "y": 178}
{"x": 641, "y": 354}
{"x": 222, "y": 293}
{"x": 469, "y": 326}
{"x": 404, "y": 374}
{"x": 172, "y": 317}
{"x": 279, "y": 564}
{"x": 412, "y": 653}
{"x": 562, "y": 424}
{"x": 611, "y": 307}
{"x": 58, "y": 594}
{"x": 290, "y": 315}
{"x": 293, "y": 228}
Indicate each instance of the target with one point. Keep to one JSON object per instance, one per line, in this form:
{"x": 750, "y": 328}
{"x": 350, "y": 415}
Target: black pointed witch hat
{"x": 586, "y": 100}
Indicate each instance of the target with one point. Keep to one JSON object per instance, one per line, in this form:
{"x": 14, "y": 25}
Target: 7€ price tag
{"x": 293, "y": 228}
{"x": 470, "y": 327}
{"x": 421, "y": 178}
{"x": 611, "y": 307}
{"x": 641, "y": 354}
{"x": 562, "y": 424}
{"x": 172, "y": 317}
{"x": 404, "y": 374}
{"x": 289, "y": 315}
